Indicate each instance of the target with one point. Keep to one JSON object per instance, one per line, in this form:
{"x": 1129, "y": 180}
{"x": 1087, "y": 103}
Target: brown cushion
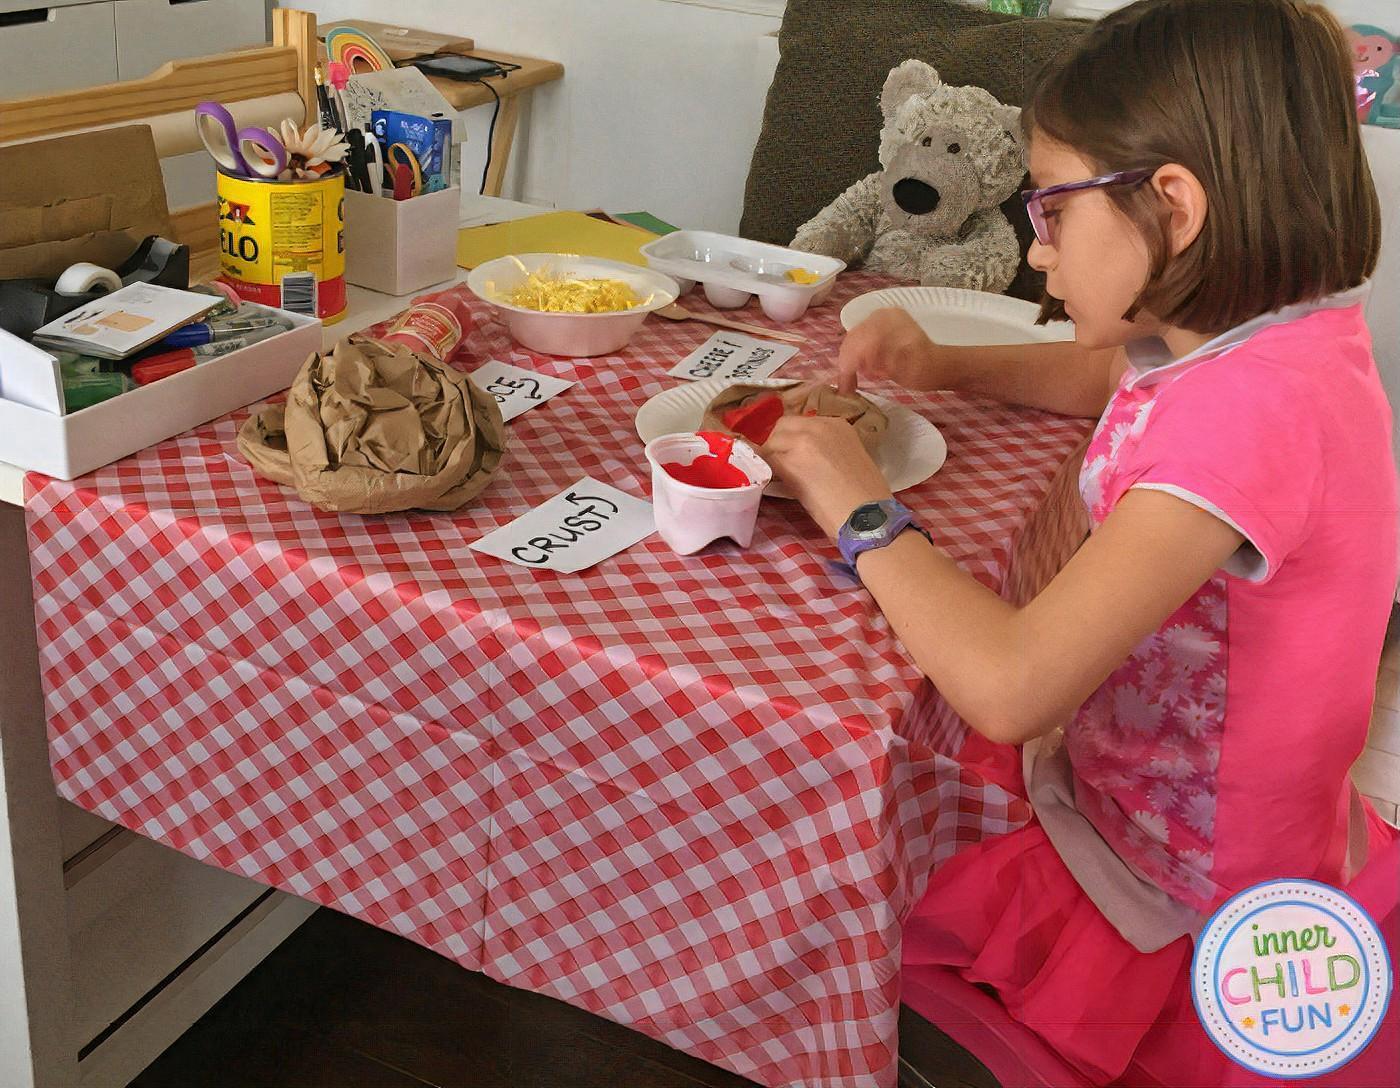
{"x": 821, "y": 125}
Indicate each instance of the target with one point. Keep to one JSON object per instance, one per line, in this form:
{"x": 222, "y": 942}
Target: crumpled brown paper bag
{"x": 804, "y": 398}
{"x": 373, "y": 428}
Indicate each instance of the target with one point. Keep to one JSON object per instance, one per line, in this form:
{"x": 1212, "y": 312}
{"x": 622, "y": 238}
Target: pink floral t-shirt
{"x": 1218, "y": 754}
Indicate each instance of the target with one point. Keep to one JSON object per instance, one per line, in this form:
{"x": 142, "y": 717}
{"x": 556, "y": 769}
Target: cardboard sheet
{"x": 92, "y": 197}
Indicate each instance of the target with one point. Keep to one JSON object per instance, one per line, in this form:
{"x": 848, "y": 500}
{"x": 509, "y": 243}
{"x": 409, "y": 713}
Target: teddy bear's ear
{"x": 1009, "y": 118}
{"x": 908, "y": 79}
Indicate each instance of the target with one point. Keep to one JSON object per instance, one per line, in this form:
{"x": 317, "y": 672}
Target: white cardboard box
{"x": 67, "y": 446}
{"x": 401, "y": 246}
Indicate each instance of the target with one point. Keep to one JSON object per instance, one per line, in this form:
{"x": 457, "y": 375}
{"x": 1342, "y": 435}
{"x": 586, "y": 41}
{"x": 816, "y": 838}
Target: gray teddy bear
{"x": 950, "y": 156}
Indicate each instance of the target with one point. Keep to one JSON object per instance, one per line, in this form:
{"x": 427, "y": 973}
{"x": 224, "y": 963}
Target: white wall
{"x": 658, "y": 110}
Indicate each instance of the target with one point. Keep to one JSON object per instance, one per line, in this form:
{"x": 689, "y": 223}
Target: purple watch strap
{"x": 900, "y": 518}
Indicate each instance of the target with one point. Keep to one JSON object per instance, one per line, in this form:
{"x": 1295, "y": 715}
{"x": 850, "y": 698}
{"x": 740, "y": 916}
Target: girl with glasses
{"x": 1183, "y": 703}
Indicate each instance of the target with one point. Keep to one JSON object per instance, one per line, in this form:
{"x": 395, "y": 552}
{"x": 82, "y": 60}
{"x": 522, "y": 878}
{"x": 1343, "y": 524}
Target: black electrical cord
{"x": 490, "y": 136}
{"x": 502, "y": 69}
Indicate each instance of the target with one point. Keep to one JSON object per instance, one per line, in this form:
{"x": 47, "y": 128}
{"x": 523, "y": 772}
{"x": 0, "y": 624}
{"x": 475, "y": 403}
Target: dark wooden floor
{"x": 341, "y": 1004}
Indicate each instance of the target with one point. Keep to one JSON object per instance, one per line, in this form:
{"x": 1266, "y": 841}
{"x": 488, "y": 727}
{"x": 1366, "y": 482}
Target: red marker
{"x": 154, "y": 367}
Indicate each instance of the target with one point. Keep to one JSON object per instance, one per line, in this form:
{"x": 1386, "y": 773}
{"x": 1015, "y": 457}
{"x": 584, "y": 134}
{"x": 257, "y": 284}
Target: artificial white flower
{"x": 314, "y": 146}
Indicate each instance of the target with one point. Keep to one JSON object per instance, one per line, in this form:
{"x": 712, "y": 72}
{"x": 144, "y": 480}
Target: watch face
{"x": 869, "y": 518}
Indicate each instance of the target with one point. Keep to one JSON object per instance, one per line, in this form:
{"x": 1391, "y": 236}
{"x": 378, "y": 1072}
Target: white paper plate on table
{"x": 912, "y": 450}
{"x": 950, "y": 315}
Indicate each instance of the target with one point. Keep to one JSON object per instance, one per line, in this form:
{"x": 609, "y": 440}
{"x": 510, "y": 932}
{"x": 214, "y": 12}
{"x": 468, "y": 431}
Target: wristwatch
{"x": 874, "y": 525}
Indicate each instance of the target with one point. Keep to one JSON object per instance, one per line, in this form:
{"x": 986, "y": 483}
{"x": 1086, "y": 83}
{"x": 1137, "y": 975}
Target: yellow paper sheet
{"x": 554, "y": 232}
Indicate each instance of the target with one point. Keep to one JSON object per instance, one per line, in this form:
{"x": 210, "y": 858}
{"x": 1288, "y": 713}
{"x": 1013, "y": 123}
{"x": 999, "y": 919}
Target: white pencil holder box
{"x": 401, "y": 246}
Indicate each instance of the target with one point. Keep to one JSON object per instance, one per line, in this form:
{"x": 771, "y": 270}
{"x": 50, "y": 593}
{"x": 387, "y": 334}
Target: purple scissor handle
{"x": 262, "y": 152}
{"x": 248, "y": 152}
{"x": 220, "y": 136}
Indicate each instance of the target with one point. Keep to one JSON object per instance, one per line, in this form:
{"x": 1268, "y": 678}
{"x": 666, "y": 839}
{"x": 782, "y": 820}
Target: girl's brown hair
{"x": 1258, "y": 100}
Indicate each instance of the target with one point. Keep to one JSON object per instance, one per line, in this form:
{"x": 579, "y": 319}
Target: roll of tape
{"x": 83, "y": 278}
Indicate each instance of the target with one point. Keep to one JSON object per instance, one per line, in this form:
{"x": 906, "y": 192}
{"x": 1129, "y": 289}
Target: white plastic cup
{"x": 690, "y": 517}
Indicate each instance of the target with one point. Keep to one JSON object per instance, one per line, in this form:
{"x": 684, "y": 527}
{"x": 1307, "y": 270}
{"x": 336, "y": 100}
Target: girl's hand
{"x": 822, "y": 462}
{"x": 890, "y": 344}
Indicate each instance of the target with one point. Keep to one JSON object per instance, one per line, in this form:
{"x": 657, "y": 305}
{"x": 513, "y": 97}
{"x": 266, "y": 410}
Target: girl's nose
{"x": 1039, "y": 257}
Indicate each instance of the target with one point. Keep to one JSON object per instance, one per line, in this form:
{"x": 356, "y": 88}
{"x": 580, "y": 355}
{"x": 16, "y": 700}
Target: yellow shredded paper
{"x": 801, "y": 275}
{"x": 553, "y": 294}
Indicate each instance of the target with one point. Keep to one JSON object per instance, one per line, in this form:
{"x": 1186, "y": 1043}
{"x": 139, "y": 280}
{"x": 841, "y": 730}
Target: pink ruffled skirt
{"x": 1007, "y": 915}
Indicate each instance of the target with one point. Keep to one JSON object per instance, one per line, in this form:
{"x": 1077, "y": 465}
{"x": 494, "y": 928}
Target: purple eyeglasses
{"x": 1034, "y": 198}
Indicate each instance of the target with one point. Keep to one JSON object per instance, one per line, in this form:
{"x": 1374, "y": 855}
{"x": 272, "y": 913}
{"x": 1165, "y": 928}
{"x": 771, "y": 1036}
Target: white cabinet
{"x": 68, "y": 44}
{"x": 151, "y": 32}
{"x": 58, "y": 48}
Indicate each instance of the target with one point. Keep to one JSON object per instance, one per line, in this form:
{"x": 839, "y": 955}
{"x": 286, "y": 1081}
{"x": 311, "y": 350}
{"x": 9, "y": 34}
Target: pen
{"x": 190, "y": 336}
{"x": 329, "y": 120}
{"x": 154, "y": 367}
{"x": 338, "y": 75}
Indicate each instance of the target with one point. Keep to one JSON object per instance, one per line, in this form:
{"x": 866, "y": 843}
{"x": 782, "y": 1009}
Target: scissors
{"x": 403, "y": 167}
{"x": 248, "y": 152}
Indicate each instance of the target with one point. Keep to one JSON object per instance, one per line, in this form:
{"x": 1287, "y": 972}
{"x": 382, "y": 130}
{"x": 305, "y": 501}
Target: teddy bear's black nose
{"x": 916, "y": 197}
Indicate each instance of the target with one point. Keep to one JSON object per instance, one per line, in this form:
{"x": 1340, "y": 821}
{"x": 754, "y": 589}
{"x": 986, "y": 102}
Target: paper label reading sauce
{"x": 516, "y": 390}
{"x": 573, "y": 531}
{"x": 735, "y": 357}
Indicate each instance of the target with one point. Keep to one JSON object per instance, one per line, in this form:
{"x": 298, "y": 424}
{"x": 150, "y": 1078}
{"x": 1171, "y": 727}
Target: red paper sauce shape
{"x": 755, "y": 420}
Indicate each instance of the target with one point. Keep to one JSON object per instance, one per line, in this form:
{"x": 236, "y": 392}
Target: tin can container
{"x": 282, "y": 243}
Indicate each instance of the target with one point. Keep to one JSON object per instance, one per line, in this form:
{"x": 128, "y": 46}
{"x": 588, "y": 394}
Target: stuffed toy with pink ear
{"x": 949, "y": 156}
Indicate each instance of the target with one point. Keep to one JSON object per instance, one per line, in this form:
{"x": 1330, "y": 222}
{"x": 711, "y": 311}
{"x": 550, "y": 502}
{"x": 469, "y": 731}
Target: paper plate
{"x": 950, "y": 315}
{"x": 912, "y": 450}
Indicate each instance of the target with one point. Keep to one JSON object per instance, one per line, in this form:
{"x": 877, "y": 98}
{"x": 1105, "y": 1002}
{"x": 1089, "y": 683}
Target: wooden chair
{"x": 261, "y": 86}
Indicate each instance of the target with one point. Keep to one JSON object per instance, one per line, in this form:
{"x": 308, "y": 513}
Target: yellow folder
{"x": 553, "y": 232}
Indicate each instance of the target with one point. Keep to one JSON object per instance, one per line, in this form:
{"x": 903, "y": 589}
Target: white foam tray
{"x": 704, "y": 257}
{"x": 69, "y": 446}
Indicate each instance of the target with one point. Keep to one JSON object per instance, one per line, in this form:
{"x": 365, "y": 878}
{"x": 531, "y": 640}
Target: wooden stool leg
{"x": 501, "y": 144}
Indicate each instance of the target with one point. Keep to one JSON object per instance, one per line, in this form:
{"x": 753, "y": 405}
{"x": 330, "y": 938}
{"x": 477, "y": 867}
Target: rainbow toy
{"x": 356, "y": 50}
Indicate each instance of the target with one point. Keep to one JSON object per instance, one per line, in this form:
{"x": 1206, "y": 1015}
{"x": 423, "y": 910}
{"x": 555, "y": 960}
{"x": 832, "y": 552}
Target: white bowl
{"x": 571, "y": 335}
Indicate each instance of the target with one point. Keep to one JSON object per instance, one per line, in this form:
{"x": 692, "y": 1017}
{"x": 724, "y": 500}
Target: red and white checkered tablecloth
{"x": 693, "y": 795}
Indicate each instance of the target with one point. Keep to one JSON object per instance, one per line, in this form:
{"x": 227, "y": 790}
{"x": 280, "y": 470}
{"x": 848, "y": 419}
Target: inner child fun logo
{"x": 1291, "y": 978}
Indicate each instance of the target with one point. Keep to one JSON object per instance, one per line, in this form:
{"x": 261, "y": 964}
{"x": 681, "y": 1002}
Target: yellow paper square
{"x": 553, "y": 232}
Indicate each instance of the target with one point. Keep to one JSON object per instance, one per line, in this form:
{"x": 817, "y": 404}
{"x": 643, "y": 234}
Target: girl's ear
{"x": 1184, "y": 198}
